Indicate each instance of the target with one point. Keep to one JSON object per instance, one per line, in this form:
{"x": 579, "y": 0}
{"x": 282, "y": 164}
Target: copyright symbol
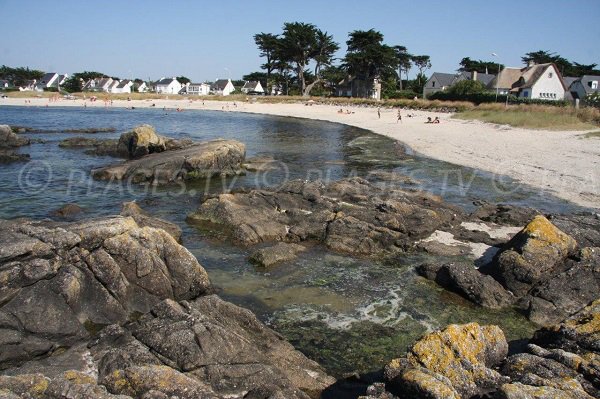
{"x": 35, "y": 177}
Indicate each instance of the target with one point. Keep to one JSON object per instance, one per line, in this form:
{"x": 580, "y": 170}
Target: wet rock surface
{"x": 108, "y": 308}
{"x": 9, "y": 141}
{"x": 280, "y": 252}
{"x": 199, "y": 160}
{"x": 542, "y": 269}
{"x": 465, "y": 361}
{"x": 350, "y": 215}
{"x": 143, "y": 219}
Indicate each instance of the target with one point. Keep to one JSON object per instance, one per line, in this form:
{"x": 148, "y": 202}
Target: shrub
{"x": 593, "y": 100}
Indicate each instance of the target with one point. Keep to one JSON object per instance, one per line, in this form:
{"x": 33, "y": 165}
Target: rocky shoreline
{"x": 116, "y": 307}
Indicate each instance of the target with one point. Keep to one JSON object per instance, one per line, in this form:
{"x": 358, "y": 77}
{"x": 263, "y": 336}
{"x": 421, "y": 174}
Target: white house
{"x": 99, "y": 84}
{"x": 4, "y": 84}
{"x": 442, "y": 81}
{"x": 356, "y": 87}
{"x": 252, "y": 86}
{"x": 584, "y": 86}
{"x": 198, "y": 89}
{"x": 51, "y": 79}
{"x": 142, "y": 87}
{"x": 536, "y": 81}
{"x": 168, "y": 86}
{"x": 222, "y": 87}
{"x": 123, "y": 86}
{"x": 28, "y": 86}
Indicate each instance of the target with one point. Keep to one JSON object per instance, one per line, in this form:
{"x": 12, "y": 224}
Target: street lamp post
{"x": 497, "y": 76}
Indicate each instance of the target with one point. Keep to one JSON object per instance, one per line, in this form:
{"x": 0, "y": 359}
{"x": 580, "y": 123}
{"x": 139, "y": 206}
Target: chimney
{"x": 474, "y": 76}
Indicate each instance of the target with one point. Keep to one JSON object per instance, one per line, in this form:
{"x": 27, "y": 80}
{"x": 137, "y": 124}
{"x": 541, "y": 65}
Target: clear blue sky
{"x": 208, "y": 39}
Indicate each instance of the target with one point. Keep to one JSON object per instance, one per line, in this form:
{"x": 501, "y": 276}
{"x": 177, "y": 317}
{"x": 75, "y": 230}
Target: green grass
{"x": 534, "y": 117}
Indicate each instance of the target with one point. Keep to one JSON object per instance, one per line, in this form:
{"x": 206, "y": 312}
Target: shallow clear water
{"x": 349, "y": 314}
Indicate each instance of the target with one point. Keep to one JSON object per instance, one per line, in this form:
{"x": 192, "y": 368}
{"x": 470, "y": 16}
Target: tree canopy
{"x": 367, "y": 57}
{"x": 19, "y": 76}
{"x": 469, "y": 65}
{"x": 566, "y": 67}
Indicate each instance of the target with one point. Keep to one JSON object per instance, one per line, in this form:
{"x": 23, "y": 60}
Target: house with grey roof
{"x": 442, "y": 81}
{"x": 584, "y": 86}
{"x": 98, "y": 84}
{"x": 535, "y": 81}
{"x": 123, "y": 86}
{"x": 222, "y": 87}
{"x": 197, "y": 89}
{"x": 356, "y": 87}
{"x": 51, "y": 79}
{"x": 252, "y": 86}
{"x": 168, "y": 86}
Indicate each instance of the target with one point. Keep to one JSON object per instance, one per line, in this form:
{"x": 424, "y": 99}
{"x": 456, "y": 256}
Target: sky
{"x": 205, "y": 40}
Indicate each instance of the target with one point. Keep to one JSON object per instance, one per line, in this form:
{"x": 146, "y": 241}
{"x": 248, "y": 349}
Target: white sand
{"x": 561, "y": 163}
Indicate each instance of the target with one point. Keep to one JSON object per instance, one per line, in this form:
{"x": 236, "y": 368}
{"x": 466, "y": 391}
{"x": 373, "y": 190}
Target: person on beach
{"x": 378, "y": 113}
{"x": 399, "y": 116}
{"x": 436, "y": 120}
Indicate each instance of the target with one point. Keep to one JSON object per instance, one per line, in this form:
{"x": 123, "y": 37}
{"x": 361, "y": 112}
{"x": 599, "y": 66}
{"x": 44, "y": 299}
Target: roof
{"x": 48, "y": 77}
{"x": 515, "y": 78}
{"x": 444, "y": 79}
{"x": 103, "y": 82}
{"x": 569, "y": 80}
{"x": 484, "y": 78}
{"x": 220, "y": 84}
{"x": 165, "y": 81}
{"x": 124, "y": 83}
{"x": 250, "y": 85}
{"x": 199, "y": 84}
{"x": 586, "y": 81}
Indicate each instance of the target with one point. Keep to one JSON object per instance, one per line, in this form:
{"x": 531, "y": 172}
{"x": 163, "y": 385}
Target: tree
{"x": 466, "y": 87}
{"x": 183, "y": 80}
{"x": 422, "y": 62}
{"x": 302, "y": 43}
{"x": 404, "y": 62}
{"x": 19, "y": 76}
{"x": 257, "y": 77}
{"x": 267, "y": 44}
{"x": 469, "y": 65}
{"x": 367, "y": 58}
{"x": 73, "y": 85}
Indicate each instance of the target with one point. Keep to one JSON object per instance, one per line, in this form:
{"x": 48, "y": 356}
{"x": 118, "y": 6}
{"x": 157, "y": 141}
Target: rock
{"x": 133, "y": 210}
{"x": 456, "y": 362}
{"x": 61, "y": 282}
{"x": 280, "y": 252}
{"x": 259, "y": 164}
{"x": 584, "y": 228}
{"x": 141, "y": 140}
{"x": 534, "y": 252}
{"x": 8, "y": 139}
{"x": 201, "y": 160}
{"x": 395, "y": 177}
{"x": 557, "y": 296}
{"x": 68, "y": 211}
{"x": 11, "y": 156}
{"x": 93, "y": 146}
{"x": 214, "y": 343}
{"x": 350, "y": 215}
{"x": 466, "y": 280}
{"x": 503, "y": 214}
{"x": 559, "y": 391}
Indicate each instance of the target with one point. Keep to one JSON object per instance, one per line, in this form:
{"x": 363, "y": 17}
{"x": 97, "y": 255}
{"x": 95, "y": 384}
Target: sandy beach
{"x": 560, "y": 163}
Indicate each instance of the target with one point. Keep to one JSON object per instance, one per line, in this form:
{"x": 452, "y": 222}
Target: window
{"x": 594, "y": 84}
{"x": 550, "y": 75}
{"x": 525, "y": 93}
{"x": 433, "y": 84}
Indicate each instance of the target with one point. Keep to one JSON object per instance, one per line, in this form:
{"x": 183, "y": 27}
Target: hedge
{"x": 490, "y": 97}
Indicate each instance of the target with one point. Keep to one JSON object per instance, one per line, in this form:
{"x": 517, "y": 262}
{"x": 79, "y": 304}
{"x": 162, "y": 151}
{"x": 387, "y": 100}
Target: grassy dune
{"x": 535, "y": 116}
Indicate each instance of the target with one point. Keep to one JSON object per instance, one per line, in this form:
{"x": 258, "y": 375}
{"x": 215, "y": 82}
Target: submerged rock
{"x": 8, "y": 156}
{"x": 93, "y": 146}
{"x": 67, "y": 211}
{"x": 280, "y": 252}
{"x": 200, "y": 160}
{"x": 350, "y": 215}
